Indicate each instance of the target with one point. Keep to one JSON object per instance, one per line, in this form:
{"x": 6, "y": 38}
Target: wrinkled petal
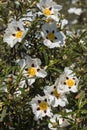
{"x": 41, "y": 73}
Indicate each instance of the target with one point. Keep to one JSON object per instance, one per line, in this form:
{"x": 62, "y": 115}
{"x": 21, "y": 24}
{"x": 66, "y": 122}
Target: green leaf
{"x": 55, "y": 69}
{"x": 3, "y": 114}
{"x": 84, "y": 111}
{"x": 45, "y": 57}
{"x": 80, "y": 101}
{"x": 83, "y": 103}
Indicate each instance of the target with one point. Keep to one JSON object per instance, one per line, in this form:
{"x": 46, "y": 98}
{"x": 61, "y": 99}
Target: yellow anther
{"x": 32, "y": 71}
{"x": 43, "y": 106}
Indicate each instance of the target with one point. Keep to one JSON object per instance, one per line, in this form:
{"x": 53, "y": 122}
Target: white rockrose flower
{"x": 55, "y": 98}
{"x": 28, "y": 18}
{"x": 74, "y": 1}
{"x": 31, "y": 69}
{"x": 52, "y": 38}
{"x": 63, "y": 23}
{"x": 3, "y": 88}
{"x": 41, "y": 107}
{"x": 75, "y": 10}
{"x": 57, "y": 121}
{"x": 49, "y": 9}
{"x": 67, "y": 81}
{"x": 14, "y": 33}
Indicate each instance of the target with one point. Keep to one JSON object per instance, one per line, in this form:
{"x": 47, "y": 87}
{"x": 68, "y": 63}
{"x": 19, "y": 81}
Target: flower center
{"x": 18, "y": 34}
{"x": 47, "y": 11}
{"x": 51, "y": 36}
{"x": 49, "y": 20}
{"x": 27, "y": 23}
{"x": 56, "y": 94}
{"x": 32, "y": 71}
{"x": 54, "y": 124}
{"x": 43, "y": 106}
{"x": 70, "y": 82}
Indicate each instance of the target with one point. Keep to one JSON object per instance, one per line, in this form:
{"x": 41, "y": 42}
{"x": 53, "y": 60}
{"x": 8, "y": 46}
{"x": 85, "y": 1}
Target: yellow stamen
{"x": 43, "y": 106}
{"x": 27, "y": 23}
{"x": 49, "y": 20}
{"x": 46, "y": 11}
{"x": 32, "y": 71}
{"x": 54, "y": 124}
{"x": 70, "y": 82}
{"x": 18, "y": 34}
{"x": 56, "y": 94}
{"x": 51, "y": 36}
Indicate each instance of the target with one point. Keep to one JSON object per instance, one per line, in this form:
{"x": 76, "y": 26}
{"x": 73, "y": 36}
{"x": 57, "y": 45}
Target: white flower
{"x": 49, "y": 9}
{"x": 11, "y": 128}
{"x": 14, "y": 33}
{"x": 54, "y": 122}
{"x": 3, "y": 88}
{"x": 22, "y": 85}
{"x": 75, "y": 21}
{"x": 55, "y": 97}
{"x": 52, "y": 38}
{"x": 74, "y": 10}
{"x": 82, "y": 41}
{"x": 74, "y": 1}
{"x": 70, "y": 33}
{"x": 63, "y": 23}
{"x": 41, "y": 107}
{"x": 28, "y": 18}
{"x": 31, "y": 69}
{"x": 58, "y": 121}
{"x": 67, "y": 81}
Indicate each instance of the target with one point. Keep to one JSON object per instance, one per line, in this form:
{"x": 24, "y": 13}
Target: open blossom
{"x": 41, "y": 107}
{"x": 74, "y": 1}
{"x": 74, "y": 10}
{"x": 31, "y": 69}
{"x": 55, "y": 98}
{"x": 14, "y": 33}
{"x": 52, "y": 38}
{"x": 3, "y": 88}
{"x": 57, "y": 121}
{"x": 28, "y": 18}
{"x": 63, "y": 23}
{"x": 67, "y": 81}
{"x": 49, "y": 9}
